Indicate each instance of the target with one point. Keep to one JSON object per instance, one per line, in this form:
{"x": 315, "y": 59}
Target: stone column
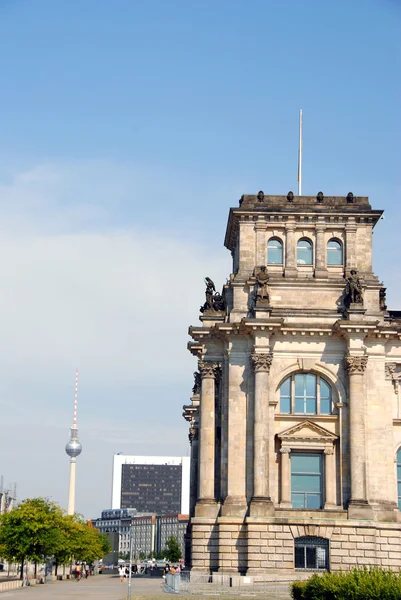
{"x": 320, "y": 253}
{"x": 350, "y": 246}
{"x": 285, "y": 501}
{"x": 330, "y": 478}
{"x": 207, "y": 432}
{"x": 356, "y": 366}
{"x": 261, "y": 503}
{"x": 193, "y": 486}
{"x": 290, "y": 251}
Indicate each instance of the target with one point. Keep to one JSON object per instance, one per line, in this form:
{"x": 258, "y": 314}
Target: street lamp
{"x": 130, "y": 563}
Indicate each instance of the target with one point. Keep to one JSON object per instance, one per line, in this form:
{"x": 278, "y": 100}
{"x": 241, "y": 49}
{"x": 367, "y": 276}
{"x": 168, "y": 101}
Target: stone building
{"x": 295, "y": 418}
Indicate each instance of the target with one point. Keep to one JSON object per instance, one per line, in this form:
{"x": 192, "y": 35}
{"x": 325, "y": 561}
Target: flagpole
{"x": 300, "y": 155}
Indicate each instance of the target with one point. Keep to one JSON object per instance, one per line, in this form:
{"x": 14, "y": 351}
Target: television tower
{"x": 73, "y": 449}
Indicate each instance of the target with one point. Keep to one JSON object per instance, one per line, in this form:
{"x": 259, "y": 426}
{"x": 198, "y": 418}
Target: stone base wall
{"x": 261, "y": 546}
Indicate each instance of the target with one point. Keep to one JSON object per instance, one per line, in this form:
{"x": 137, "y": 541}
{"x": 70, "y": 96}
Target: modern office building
{"x": 295, "y": 417}
{"x": 151, "y": 484}
{"x": 149, "y": 532}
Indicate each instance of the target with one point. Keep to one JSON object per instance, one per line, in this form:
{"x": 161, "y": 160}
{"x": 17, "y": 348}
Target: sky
{"x": 127, "y": 130}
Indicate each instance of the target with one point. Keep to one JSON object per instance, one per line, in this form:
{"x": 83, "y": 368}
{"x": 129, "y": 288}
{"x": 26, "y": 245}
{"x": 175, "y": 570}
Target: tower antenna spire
{"x": 73, "y": 449}
{"x": 300, "y": 155}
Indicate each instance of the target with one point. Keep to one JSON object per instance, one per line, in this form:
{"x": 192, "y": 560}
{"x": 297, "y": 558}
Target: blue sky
{"x": 127, "y": 130}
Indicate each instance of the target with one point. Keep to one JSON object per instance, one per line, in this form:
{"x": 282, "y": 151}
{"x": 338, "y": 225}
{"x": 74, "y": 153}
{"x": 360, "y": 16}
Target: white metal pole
{"x": 130, "y": 563}
{"x": 300, "y": 155}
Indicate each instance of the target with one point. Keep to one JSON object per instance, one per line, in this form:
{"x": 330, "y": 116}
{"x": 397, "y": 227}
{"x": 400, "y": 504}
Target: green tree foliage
{"x": 172, "y": 551}
{"x": 358, "y": 584}
{"x": 38, "y": 529}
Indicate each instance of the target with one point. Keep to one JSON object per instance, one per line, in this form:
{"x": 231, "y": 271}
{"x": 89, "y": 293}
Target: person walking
{"x": 121, "y": 572}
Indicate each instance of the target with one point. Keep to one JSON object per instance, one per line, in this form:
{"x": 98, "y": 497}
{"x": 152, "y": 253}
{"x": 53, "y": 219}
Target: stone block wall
{"x": 256, "y": 548}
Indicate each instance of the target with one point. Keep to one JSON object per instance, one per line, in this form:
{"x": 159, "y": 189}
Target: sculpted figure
{"x": 210, "y": 289}
{"x": 353, "y": 290}
{"x": 219, "y": 302}
{"x": 197, "y": 383}
{"x": 262, "y": 278}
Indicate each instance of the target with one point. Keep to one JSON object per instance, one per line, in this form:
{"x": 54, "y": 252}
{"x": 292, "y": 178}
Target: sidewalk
{"x": 102, "y": 587}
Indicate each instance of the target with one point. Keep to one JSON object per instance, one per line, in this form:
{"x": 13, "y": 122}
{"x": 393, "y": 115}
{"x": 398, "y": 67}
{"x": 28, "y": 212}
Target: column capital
{"x": 262, "y": 361}
{"x": 208, "y": 369}
{"x": 329, "y": 450}
{"x": 285, "y": 450}
{"x": 355, "y": 364}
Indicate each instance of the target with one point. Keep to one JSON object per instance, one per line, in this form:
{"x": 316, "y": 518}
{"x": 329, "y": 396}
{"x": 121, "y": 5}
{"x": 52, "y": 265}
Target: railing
{"x": 220, "y": 584}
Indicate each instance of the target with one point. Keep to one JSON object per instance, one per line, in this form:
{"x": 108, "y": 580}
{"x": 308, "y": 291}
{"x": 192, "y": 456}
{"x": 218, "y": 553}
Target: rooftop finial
{"x": 300, "y": 155}
{"x": 75, "y": 400}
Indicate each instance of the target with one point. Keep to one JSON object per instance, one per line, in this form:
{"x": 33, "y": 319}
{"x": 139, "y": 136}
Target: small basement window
{"x": 311, "y": 553}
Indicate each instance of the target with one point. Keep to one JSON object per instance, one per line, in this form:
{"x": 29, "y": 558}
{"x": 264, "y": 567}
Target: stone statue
{"x": 262, "y": 278}
{"x": 219, "y": 302}
{"x": 210, "y": 289}
{"x": 353, "y": 290}
{"x": 214, "y": 301}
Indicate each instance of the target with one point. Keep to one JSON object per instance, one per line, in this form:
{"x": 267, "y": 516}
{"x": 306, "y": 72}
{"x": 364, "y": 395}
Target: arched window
{"x": 399, "y": 477}
{"x": 274, "y": 252}
{"x": 334, "y": 253}
{"x": 311, "y": 553}
{"x": 305, "y": 394}
{"x": 304, "y": 252}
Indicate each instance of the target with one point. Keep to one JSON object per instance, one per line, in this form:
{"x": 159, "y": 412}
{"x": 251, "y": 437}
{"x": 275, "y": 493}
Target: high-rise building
{"x": 295, "y": 414}
{"x": 151, "y": 484}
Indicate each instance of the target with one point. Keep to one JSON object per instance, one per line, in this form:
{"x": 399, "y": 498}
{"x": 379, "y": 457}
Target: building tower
{"x": 73, "y": 449}
{"x": 295, "y": 413}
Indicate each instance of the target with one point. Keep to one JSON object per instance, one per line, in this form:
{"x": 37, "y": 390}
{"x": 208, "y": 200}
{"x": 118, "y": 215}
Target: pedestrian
{"x": 78, "y": 572}
{"x": 121, "y": 574}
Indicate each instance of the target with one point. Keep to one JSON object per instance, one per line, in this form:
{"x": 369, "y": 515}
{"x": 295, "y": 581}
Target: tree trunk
{"x": 22, "y": 570}
{"x": 55, "y": 568}
{"x": 36, "y": 568}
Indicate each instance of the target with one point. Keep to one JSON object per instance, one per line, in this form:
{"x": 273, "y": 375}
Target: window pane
{"x": 298, "y": 500}
{"x": 310, "y": 558}
{"x": 399, "y": 488}
{"x": 325, "y": 391}
{"x": 325, "y": 406}
{"x": 300, "y": 557}
{"x": 321, "y": 558}
{"x": 304, "y": 252}
{"x": 275, "y": 252}
{"x": 305, "y": 483}
{"x": 305, "y": 463}
{"x": 285, "y": 388}
{"x": 285, "y": 405}
{"x": 311, "y": 405}
{"x": 299, "y": 385}
{"x": 299, "y": 405}
{"x": 398, "y": 471}
{"x": 313, "y": 501}
{"x": 334, "y": 253}
{"x": 310, "y": 385}
{"x": 399, "y": 456}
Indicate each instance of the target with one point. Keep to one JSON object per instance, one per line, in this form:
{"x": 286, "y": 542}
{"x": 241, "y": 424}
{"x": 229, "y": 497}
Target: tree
{"x": 172, "y": 551}
{"x": 31, "y": 531}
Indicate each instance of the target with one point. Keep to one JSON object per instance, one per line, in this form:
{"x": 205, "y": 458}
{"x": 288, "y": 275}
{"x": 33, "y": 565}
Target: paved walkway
{"x": 101, "y": 587}
{"x": 108, "y": 587}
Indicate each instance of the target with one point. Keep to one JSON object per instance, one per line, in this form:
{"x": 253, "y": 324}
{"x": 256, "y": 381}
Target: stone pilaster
{"x": 350, "y": 246}
{"x": 261, "y": 503}
{"x": 261, "y": 245}
{"x": 330, "y": 478}
{"x": 290, "y": 254}
{"x": 235, "y": 502}
{"x": 285, "y": 501}
{"x": 320, "y": 268}
{"x": 208, "y": 372}
{"x": 358, "y": 505}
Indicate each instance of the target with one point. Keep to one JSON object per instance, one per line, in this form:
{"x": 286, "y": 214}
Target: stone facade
{"x": 253, "y": 510}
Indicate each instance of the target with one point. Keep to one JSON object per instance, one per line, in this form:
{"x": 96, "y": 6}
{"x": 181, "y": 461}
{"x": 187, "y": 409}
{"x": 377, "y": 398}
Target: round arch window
{"x": 304, "y": 252}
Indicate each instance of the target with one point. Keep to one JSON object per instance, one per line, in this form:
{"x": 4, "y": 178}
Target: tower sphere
{"x": 73, "y": 448}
